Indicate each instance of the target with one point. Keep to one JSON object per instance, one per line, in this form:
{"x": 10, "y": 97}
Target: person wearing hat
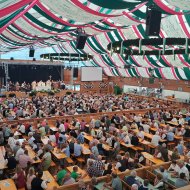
{"x": 38, "y": 183}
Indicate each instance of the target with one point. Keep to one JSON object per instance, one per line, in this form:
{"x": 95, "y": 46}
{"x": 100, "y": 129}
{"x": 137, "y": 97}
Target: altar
{"x": 41, "y": 86}
{"x": 45, "y": 88}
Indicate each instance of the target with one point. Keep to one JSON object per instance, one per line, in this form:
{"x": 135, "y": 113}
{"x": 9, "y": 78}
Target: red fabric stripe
{"x": 57, "y": 18}
{"x": 183, "y": 61}
{"x": 14, "y": 7}
{"x": 180, "y": 17}
{"x": 174, "y": 74}
{"x": 35, "y": 26}
{"x": 131, "y": 18}
{"x": 18, "y": 16}
{"x": 166, "y": 8}
{"x": 161, "y": 73}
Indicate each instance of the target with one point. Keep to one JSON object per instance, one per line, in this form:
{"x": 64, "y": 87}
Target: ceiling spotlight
{"x": 118, "y": 48}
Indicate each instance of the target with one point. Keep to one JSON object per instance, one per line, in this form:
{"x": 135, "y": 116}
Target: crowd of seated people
{"x": 108, "y": 136}
{"x": 46, "y": 106}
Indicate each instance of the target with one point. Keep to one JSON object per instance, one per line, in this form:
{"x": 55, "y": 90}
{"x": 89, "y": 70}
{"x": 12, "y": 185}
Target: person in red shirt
{"x": 66, "y": 125}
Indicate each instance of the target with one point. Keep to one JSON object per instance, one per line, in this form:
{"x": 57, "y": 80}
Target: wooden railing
{"x": 87, "y": 117}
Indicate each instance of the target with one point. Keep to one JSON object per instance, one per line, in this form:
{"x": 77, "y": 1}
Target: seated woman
{"x": 127, "y": 139}
{"x": 108, "y": 170}
{"x": 173, "y": 166}
{"x": 157, "y": 153}
{"x": 19, "y": 177}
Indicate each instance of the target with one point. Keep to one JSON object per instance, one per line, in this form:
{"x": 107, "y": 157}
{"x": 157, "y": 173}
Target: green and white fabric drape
{"x": 49, "y": 23}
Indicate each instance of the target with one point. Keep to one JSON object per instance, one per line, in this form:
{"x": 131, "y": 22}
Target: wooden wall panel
{"x": 168, "y": 84}
{"x": 121, "y": 81}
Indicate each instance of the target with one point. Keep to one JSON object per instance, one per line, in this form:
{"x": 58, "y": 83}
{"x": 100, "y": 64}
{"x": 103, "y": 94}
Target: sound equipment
{"x": 153, "y": 21}
{"x": 75, "y": 72}
{"x": 31, "y": 52}
{"x": 81, "y": 40}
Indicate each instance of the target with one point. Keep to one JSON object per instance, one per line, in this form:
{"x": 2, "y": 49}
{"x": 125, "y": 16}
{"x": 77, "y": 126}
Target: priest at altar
{"x": 38, "y": 86}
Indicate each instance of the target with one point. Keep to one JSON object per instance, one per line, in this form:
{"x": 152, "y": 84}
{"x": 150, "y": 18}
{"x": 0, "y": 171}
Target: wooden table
{"x": 48, "y": 177}
{"x": 7, "y": 184}
{"x": 126, "y": 145}
{"x": 149, "y": 136}
{"x": 88, "y": 137}
{"x": 172, "y": 123}
{"x": 2, "y": 160}
{"x": 53, "y": 128}
{"x": 17, "y": 133}
{"x": 80, "y": 171}
{"x": 59, "y": 155}
{"x": 45, "y": 140}
{"x": 85, "y": 149}
{"x": 151, "y": 158}
{"x": 32, "y": 154}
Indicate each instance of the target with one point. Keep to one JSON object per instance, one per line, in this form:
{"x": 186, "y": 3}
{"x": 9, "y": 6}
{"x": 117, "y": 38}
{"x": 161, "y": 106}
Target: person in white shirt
{"x": 174, "y": 120}
{"x": 109, "y": 140}
{"x": 181, "y": 168}
{"x": 12, "y": 141}
{"x": 157, "y": 153}
{"x": 140, "y": 134}
{"x": 146, "y": 127}
{"x": 21, "y": 128}
{"x": 62, "y": 127}
{"x": 127, "y": 139}
{"x": 52, "y": 137}
{"x": 156, "y": 124}
{"x": 31, "y": 138}
{"x": 19, "y": 152}
{"x": 155, "y": 139}
{"x": 181, "y": 120}
{"x": 173, "y": 166}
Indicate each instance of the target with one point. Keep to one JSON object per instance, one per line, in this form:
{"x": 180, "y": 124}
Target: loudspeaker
{"x": 75, "y": 72}
{"x": 153, "y": 21}
{"x": 31, "y": 52}
{"x": 81, "y": 40}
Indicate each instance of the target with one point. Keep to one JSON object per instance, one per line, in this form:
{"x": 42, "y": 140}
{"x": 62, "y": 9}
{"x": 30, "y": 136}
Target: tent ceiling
{"x": 50, "y": 23}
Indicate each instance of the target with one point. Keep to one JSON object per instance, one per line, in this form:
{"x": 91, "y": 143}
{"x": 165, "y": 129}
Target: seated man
{"x": 130, "y": 180}
{"x": 60, "y": 175}
{"x": 115, "y": 184}
{"x": 181, "y": 181}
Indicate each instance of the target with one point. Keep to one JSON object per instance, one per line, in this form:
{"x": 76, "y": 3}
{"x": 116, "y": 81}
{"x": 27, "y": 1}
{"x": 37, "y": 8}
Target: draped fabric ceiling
{"x": 53, "y": 23}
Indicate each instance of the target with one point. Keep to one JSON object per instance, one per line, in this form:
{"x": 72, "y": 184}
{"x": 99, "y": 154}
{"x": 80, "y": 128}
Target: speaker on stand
{"x": 31, "y": 52}
{"x": 81, "y": 38}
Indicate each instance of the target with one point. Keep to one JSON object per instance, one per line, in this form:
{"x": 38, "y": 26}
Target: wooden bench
{"x": 121, "y": 152}
{"x": 151, "y": 146}
{"x": 80, "y": 160}
{"x": 171, "y": 145}
{"x": 69, "y": 161}
{"x": 137, "y": 148}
